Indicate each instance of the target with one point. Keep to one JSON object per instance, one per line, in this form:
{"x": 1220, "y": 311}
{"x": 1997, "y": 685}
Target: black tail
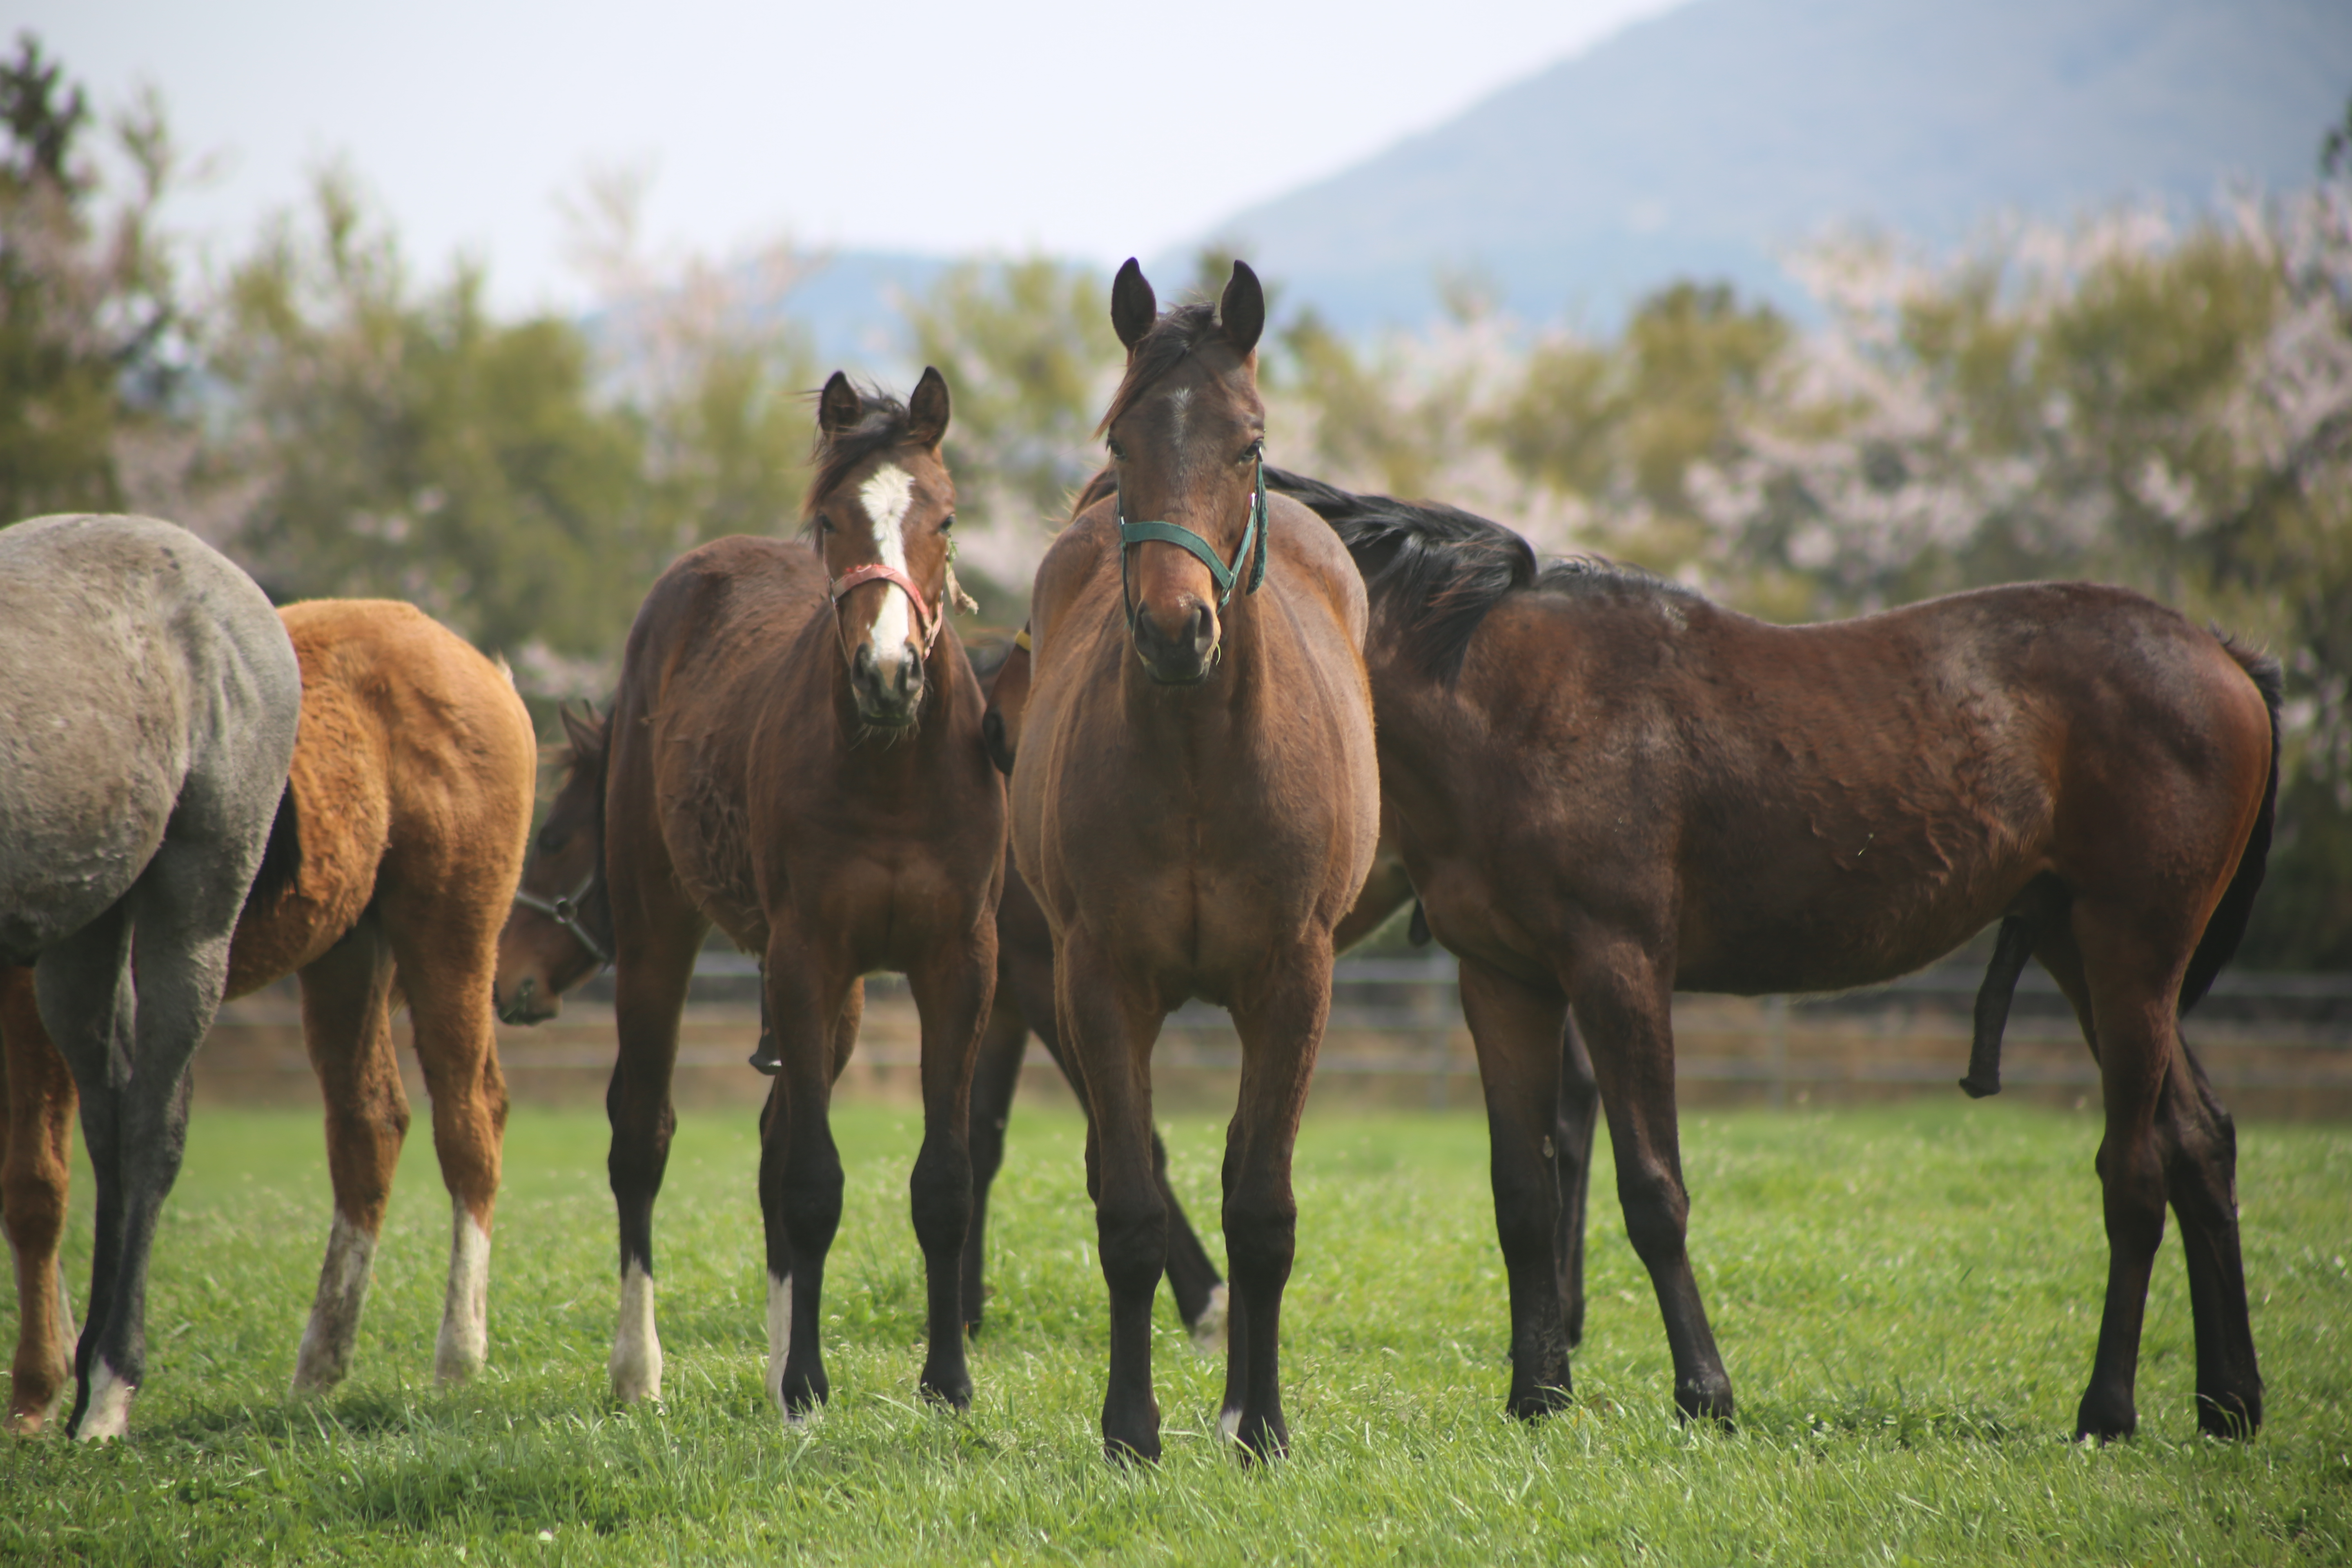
{"x": 281, "y": 859}
{"x": 2227, "y": 926}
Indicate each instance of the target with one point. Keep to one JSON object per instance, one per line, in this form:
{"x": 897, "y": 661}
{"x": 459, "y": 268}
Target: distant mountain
{"x": 1709, "y": 140}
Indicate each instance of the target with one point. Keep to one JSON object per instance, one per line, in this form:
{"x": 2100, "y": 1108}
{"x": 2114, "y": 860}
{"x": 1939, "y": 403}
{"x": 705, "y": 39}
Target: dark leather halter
{"x": 1251, "y": 549}
{"x": 565, "y": 911}
{"x": 927, "y": 620}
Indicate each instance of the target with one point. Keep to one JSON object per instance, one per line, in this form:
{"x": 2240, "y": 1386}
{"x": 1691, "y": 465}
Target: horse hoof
{"x": 2235, "y": 1416}
{"x": 955, "y": 1393}
{"x": 1711, "y": 1404}
{"x": 1260, "y": 1441}
{"x": 1537, "y": 1403}
{"x": 1209, "y": 1328}
{"x": 2105, "y": 1421}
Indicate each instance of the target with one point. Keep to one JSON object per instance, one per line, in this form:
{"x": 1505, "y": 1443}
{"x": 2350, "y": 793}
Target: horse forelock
{"x": 1170, "y": 340}
{"x": 884, "y": 424}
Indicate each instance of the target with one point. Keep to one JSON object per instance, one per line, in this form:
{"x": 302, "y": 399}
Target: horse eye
{"x": 947, "y": 522}
{"x": 824, "y": 523}
{"x": 1118, "y": 453}
{"x": 1256, "y": 450}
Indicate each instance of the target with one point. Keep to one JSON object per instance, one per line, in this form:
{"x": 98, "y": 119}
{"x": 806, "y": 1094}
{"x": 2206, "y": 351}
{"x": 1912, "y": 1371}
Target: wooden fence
{"x": 2275, "y": 1045}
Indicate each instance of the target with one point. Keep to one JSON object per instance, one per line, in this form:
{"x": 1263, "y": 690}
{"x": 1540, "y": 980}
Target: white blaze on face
{"x": 465, "y": 1313}
{"x": 637, "y": 1364}
{"x": 334, "y": 1326}
{"x": 780, "y": 1337}
{"x": 887, "y": 496}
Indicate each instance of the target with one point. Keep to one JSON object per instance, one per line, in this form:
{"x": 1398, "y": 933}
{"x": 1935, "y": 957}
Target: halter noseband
{"x": 1252, "y": 548}
{"x": 565, "y": 911}
{"x": 927, "y": 620}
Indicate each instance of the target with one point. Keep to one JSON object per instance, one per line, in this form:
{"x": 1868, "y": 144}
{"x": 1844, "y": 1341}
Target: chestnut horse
{"x": 795, "y": 758}
{"x": 562, "y": 930}
{"x": 1195, "y": 806}
{"x": 411, "y": 793}
{"x": 1606, "y": 789}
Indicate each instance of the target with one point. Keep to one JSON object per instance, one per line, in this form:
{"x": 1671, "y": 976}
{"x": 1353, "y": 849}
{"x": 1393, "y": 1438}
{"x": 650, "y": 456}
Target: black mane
{"x": 1174, "y": 335}
{"x": 882, "y": 422}
{"x": 1437, "y": 571}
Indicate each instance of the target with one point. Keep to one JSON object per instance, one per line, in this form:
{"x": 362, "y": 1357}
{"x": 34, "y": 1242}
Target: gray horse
{"x": 148, "y": 700}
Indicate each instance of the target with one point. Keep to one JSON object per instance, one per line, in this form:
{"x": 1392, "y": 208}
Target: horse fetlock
{"x": 780, "y": 1336}
{"x": 325, "y": 1357}
{"x": 106, "y": 1412}
{"x": 1533, "y": 1400}
{"x": 947, "y": 1385}
{"x": 465, "y": 1341}
{"x": 637, "y": 1364}
{"x": 1708, "y": 1400}
{"x": 1260, "y": 1436}
{"x": 2105, "y": 1418}
{"x": 1131, "y": 1435}
{"x": 1209, "y": 1329}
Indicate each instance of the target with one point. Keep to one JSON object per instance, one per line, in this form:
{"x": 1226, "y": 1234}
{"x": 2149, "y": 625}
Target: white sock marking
{"x": 109, "y": 1416}
{"x": 886, "y": 494}
{"x": 1208, "y": 1332}
{"x": 780, "y": 1338}
{"x": 1229, "y": 1422}
{"x": 637, "y": 1364}
{"x": 465, "y": 1314}
{"x": 334, "y": 1326}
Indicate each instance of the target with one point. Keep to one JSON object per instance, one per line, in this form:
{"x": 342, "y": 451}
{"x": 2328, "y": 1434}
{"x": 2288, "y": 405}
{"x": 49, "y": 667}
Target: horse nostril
{"x": 862, "y": 664}
{"x": 910, "y": 678}
{"x": 1204, "y": 634}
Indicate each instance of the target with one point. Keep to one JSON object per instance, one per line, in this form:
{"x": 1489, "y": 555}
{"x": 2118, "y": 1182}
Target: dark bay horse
{"x": 795, "y": 758}
{"x": 1606, "y": 789}
{"x": 562, "y": 930}
{"x": 410, "y": 795}
{"x": 1196, "y": 805}
{"x": 151, "y": 700}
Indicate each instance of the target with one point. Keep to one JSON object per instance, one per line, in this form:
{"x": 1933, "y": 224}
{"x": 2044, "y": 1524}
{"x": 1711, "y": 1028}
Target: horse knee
{"x": 1657, "y": 1215}
{"x": 810, "y": 1206}
{"x": 33, "y": 1202}
{"x": 942, "y": 1189}
{"x": 1133, "y": 1239}
{"x": 1261, "y": 1237}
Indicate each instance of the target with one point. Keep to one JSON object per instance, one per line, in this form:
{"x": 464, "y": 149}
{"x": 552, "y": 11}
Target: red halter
{"x": 927, "y": 620}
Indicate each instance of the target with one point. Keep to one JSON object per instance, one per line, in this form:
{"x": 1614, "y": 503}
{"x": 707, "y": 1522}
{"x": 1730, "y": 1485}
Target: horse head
{"x": 881, "y": 509}
{"x": 1008, "y": 694}
{"x": 1187, "y": 436}
{"x": 560, "y": 930}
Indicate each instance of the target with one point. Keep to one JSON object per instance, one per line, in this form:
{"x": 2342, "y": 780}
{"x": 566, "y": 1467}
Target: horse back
{"x": 413, "y": 771}
{"x": 1822, "y": 806}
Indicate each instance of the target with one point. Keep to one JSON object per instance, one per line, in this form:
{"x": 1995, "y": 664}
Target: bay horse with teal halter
{"x": 1606, "y": 789}
{"x": 1195, "y": 806}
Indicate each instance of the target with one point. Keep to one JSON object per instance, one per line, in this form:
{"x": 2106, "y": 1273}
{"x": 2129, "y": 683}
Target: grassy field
{"x": 1907, "y": 1301}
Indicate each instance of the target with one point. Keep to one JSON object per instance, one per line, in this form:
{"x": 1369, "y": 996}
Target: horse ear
{"x": 581, "y": 727}
{"x": 838, "y": 407}
{"x": 1242, "y": 313}
{"x": 1133, "y": 306}
{"x": 927, "y": 411}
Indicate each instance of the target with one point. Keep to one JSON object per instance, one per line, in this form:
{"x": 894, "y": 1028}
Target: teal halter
{"x": 1252, "y": 547}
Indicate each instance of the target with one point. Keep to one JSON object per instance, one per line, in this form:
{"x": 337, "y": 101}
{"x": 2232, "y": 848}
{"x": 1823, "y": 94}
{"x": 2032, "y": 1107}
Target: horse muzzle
{"x": 1181, "y": 658}
{"x": 528, "y": 1005}
{"x": 888, "y": 696}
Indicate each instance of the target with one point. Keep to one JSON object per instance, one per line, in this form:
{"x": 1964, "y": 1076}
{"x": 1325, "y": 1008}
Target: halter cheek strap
{"x": 565, "y": 911}
{"x": 927, "y": 621}
{"x": 1252, "y": 548}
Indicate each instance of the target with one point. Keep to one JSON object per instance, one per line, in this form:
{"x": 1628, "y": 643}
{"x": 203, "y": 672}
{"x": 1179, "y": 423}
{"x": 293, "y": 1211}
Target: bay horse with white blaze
{"x": 1196, "y": 805}
{"x": 1606, "y": 789}
{"x": 795, "y": 758}
{"x": 561, "y": 931}
{"x": 410, "y": 798}
{"x": 152, "y": 701}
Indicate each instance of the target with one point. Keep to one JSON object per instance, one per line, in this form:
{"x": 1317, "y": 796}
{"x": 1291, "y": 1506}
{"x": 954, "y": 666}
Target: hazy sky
{"x": 1091, "y": 129}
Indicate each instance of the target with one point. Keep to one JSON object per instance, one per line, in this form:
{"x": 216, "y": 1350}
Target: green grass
{"x": 1907, "y": 1301}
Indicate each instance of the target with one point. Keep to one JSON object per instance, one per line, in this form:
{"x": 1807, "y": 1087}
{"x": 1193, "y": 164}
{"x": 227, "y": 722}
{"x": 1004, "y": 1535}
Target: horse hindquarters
{"x": 36, "y": 1109}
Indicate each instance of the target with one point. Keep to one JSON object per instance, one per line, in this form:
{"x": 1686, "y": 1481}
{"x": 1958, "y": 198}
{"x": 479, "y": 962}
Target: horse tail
{"x": 2227, "y": 926}
{"x": 281, "y": 858}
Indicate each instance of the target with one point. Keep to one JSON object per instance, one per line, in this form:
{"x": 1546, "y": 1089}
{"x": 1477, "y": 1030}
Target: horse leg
{"x": 1622, "y": 1001}
{"x": 656, "y": 936}
{"x": 1192, "y": 1278}
{"x": 1580, "y": 1112}
{"x": 1281, "y": 1027}
{"x": 952, "y": 991}
{"x": 347, "y": 1026}
{"x": 447, "y": 958}
{"x": 2200, "y": 1144}
{"x": 1517, "y": 1029}
{"x": 994, "y": 1076}
{"x": 800, "y": 1169}
{"x": 2129, "y": 986}
{"x": 183, "y": 910}
{"x": 1110, "y": 1034}
{"x": 36, "y": 1109}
